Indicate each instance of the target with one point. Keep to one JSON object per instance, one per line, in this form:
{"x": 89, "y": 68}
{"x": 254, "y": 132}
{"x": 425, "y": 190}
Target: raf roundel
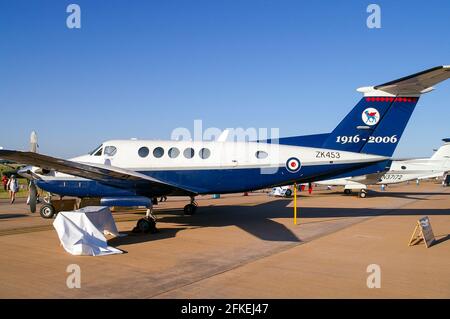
{"x": 293, "y": 165}
{"x": 370, "y": 116}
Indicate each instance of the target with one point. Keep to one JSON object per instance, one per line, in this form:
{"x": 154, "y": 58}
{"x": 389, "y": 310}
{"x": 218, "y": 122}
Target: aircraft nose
{"x": 25, "y": 172}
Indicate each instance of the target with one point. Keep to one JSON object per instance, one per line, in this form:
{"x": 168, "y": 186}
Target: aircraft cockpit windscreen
{"x": 97, "y": 151}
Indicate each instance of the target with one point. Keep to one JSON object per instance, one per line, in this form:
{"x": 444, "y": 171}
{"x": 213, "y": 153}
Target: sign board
{"x": 425, "y": 232}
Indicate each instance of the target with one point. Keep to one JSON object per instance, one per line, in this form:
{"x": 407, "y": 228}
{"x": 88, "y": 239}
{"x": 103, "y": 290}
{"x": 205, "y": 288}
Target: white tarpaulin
{"x": 81, "y": 232}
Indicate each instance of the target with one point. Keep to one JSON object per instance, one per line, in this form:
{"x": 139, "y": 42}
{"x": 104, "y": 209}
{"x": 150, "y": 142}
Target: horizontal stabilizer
{"x": 418, "y": 83}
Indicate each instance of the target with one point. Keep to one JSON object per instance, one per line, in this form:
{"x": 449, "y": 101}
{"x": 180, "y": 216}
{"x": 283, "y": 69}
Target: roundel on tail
{"x": 293, "y": 165}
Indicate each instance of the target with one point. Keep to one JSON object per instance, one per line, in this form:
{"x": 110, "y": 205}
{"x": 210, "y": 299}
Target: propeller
{"x": 33, "y": 193}
{"x": 33, "y": 196}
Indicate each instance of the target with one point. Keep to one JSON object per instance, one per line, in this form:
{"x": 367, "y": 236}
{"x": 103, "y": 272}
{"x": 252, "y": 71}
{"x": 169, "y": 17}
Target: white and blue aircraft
{"x": 438, "y": 165}
{"x": 131, "y": 172}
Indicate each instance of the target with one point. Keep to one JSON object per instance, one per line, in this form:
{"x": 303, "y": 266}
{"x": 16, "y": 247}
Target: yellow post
{"x": 295, "y": 203}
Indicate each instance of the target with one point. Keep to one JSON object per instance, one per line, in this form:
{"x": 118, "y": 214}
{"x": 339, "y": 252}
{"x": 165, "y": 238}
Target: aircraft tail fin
{"x": 443, "y": 152}
{"x": 376, "y": 123}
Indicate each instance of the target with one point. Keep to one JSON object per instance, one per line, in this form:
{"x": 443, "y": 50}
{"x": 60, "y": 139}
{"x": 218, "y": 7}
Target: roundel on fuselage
{"x": 293, "y": 165}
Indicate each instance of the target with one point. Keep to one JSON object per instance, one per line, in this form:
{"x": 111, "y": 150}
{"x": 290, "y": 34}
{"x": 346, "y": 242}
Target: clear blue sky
{"x": 142, "y": 68}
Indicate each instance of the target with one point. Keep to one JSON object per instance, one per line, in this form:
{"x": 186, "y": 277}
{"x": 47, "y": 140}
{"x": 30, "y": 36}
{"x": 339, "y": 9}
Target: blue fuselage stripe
{"x": 204, "y": 181}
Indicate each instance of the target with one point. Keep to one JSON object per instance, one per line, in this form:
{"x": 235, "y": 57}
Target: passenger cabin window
{"x": 158, "y": 152}
{"x": 189, "y": 153}
{"x": 173, "y": 152}
{"x": 143, "y": 151}
{"x": 204, "y": 153}
{"x": 403, "y": 167}
{"x": 110, "y": 150}
{"x": 261, "y": 154}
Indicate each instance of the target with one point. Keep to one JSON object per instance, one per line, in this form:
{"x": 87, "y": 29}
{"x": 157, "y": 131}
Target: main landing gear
{"x": 146, "y": 224}
{"x": 191, "y": 208}
{"x": 361, "y": 194}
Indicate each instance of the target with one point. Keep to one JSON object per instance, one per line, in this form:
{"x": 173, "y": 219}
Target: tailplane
{"x": 443, "y": 152}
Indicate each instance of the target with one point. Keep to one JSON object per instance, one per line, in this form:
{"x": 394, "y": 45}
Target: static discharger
{"x": 423, "y": 231}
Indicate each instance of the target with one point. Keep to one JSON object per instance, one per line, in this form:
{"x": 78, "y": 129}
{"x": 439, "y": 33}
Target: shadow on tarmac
{"x": 5, "y": 216}
{"x": 257, "y": 220}
{"x": 389, "y": 194}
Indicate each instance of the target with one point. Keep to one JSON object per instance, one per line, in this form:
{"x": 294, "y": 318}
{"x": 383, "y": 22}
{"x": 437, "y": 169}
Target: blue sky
{"x": 142, "y": 68}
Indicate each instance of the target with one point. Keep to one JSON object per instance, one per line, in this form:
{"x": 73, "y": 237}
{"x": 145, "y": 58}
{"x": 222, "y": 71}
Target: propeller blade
{"x": 33, "y": 197}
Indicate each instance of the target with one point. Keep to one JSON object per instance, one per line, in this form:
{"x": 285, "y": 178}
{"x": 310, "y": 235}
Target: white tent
{"x": 82, "y": 231}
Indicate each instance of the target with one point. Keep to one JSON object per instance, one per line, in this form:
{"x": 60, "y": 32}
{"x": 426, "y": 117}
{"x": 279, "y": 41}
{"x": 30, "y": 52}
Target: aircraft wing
{"x": 434, "y": 175}
{"x": 109, "y": 175}
{"x": 418, "y": 83}
{"x": 369, "y": 179}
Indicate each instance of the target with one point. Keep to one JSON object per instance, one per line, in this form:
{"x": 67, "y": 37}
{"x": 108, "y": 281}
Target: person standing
{"x": 5, "y": 182}
{"x": 13, "y": 186}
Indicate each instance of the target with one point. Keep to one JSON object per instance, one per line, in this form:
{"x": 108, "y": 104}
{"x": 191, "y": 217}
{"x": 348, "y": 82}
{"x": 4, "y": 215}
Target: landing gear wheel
{"x": 347, "y": 191}
{"x": 362, "y": 194}
{"x": 146, "y": 225}
{"x": 288, "y": 193}
{"x": 47, "y": 211}
{"x": 190, "y": 209}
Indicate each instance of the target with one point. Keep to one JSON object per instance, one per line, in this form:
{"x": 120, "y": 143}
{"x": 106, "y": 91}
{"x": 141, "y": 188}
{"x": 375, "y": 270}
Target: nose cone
{"x": 26, "y": 172}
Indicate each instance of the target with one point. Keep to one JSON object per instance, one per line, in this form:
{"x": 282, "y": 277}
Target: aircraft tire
{"x": 146, "y": 225}
{"x": 288, "y": 193}
{"x": 189, "y": 209}
{"x": 47, "y": 211}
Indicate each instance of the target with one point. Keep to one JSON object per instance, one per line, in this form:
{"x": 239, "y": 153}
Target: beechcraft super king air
{"x": 131, "y": 172}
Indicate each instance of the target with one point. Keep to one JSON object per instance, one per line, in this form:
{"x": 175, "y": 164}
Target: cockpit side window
{"x": 98, "y": 148}
{"x": 110, "y": 150}
{"x": 99, "y": 152}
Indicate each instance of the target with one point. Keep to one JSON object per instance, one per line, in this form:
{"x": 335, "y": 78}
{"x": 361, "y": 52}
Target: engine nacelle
{"x": 126, "y": 201}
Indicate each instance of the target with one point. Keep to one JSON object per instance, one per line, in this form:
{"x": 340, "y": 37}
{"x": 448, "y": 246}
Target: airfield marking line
{"x": 287, "y": 247}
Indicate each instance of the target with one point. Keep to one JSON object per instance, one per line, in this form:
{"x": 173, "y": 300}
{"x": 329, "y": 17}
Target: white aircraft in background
{"x": 132, "y": 172}
{"x": 400, "y": 171}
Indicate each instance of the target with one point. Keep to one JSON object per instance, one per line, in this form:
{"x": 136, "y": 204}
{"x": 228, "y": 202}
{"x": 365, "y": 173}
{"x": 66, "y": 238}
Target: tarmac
{"x": 245, "y": 247}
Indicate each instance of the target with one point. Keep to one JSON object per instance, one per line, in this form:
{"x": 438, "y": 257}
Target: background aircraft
{"x": 400, "y": 171}
{"x": 131, "y": 172}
